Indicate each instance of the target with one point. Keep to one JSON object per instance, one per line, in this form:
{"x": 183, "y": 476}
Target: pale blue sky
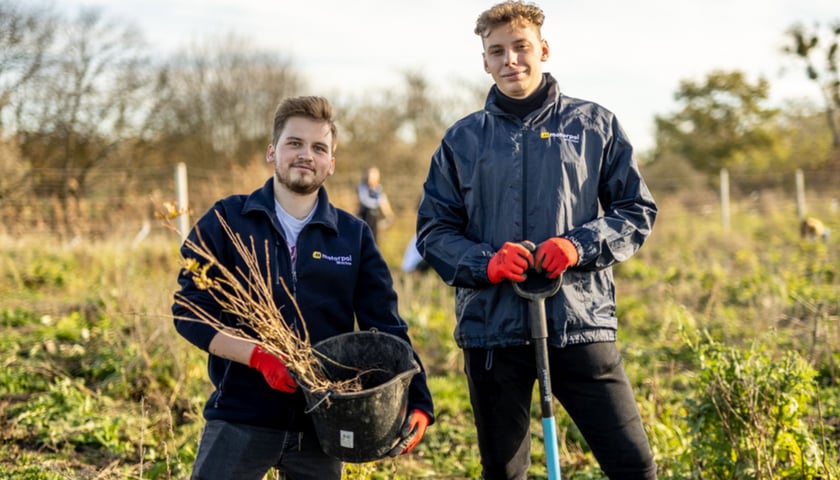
{"x": 627, "y": 55}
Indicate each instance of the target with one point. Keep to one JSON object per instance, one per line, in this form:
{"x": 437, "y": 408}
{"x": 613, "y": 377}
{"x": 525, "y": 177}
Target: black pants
{"x": 590, "y": 383}
{"x": 238, "y": 451}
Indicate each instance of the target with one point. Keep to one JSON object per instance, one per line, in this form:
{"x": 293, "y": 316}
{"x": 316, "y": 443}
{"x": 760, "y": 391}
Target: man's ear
{"x": 269, "y": 153}
{"x": 546, "y": 51}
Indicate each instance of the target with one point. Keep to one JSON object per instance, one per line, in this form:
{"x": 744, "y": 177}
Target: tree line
{"x": 724, "y": 122}
{"x": 85, "y": 93}
{"x": 81, "y": 95}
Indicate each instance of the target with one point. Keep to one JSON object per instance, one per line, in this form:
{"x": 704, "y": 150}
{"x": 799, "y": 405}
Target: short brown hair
{"x": 315, "y": 108}
{"x": 509, "y": 12}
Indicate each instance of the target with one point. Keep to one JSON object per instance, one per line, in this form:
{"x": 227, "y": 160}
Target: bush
{"x": 747, "y": 415}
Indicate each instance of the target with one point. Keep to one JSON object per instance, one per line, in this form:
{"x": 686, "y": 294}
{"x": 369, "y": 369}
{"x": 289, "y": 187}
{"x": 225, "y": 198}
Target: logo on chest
{"x": 346, "y": 260}
{"x": 564, "y": 137}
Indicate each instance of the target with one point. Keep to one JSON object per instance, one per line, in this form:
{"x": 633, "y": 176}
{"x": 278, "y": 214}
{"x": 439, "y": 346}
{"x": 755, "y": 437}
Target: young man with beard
{"x": 255, "y": 417}
{"x": 536, "y": 167}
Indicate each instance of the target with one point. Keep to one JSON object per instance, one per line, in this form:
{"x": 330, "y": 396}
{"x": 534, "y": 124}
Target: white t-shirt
{"x": 292, "y": 226}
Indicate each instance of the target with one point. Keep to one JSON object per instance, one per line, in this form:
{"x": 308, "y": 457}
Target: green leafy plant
{"x": 748, "y": 414}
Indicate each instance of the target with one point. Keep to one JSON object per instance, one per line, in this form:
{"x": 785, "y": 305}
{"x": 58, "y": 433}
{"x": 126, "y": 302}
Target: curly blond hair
{"x": 510, "y": 12}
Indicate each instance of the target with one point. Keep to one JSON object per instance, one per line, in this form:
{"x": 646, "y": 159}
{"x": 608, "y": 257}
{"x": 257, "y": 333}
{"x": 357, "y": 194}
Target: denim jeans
{"x": 244, "y": 452}
{"x": 591, "y": 385}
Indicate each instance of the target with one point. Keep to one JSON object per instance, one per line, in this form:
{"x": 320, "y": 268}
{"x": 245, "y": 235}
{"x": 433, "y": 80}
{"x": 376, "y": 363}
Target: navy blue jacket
{"x": 340, "y": 280}
{"x": 566, "y": 170}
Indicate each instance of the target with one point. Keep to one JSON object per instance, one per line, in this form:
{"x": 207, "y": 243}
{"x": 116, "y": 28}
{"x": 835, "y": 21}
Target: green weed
{"x": 95, "y": 382}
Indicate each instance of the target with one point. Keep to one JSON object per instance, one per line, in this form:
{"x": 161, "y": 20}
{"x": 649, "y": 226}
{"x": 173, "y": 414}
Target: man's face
{"x": 303, "y": 157}
{"x": 513, "y": 55}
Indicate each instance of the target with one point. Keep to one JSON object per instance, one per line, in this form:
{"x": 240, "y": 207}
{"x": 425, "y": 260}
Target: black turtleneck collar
{"x": 522, "y": 107}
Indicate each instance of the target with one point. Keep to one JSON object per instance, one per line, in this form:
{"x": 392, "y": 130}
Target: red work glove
{"x": 510, "y": 262}
{"x": 412, "y": 432}
{"x": 555, "y": 255}
{"x": 273, "y": 370}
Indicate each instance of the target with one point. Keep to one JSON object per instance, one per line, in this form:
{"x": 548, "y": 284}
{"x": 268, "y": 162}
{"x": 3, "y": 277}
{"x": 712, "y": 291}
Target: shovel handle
{"x": 540, "y": 289}
{"x": 547, "y": 291}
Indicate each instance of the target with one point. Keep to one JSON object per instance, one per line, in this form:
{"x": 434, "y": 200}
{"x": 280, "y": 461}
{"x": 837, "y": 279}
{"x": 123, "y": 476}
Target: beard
{"x": 296, "y": 182}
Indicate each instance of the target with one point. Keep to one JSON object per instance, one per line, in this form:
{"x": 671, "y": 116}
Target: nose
{"x": 510, "y": 57}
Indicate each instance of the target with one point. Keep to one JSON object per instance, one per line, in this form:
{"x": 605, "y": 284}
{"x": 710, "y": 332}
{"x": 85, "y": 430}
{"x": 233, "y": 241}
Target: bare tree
{"x": 421, "y": 111}
{"x": 87, "y": 102}
{"x": 25, "y": 36}
{"x": 398, "y": 131}
{"x": 821, "y": 54}
{"x": 219, "y": 100}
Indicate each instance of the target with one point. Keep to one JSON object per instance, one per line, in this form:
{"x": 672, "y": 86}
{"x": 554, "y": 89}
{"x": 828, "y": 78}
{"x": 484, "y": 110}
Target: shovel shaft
{"x": 544, "y": 377}
{"x": 536, "y": 311}
{"x": 552, "y": 455}
{"x": 539, "y": 334}
{"x": 552, "y": 458}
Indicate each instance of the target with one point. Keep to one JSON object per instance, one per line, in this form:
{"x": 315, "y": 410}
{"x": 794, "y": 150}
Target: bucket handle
{"x": 319, "y": 402}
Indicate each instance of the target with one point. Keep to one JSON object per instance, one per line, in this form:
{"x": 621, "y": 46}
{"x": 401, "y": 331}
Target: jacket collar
{"x": 263, "y": 200}
{"x": 554, "y": 96}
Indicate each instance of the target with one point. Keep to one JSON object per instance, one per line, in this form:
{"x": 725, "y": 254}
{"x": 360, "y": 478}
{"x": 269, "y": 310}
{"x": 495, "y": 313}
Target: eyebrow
{"x": 300, "y": 140}
{"x": 516, "y": 42}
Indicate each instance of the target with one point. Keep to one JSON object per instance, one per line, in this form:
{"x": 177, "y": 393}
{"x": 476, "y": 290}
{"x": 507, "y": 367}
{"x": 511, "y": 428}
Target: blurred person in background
{"x": 374, "y": 207}
{"x": 813, "y": 228}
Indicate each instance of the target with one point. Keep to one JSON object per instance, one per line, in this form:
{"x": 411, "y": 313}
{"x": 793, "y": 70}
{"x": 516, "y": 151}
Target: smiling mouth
{"x": 303, "y": 166}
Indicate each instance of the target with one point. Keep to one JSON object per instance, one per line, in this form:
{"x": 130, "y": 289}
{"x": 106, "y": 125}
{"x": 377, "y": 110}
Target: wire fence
{"x": 123, "y": 203}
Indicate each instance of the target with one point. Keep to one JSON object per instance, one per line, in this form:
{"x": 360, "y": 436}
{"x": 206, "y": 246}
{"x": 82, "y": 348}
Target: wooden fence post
{"x": 800, "y": 194}
{"x": 724, "y": 199}
{"x": 182, "y": 196}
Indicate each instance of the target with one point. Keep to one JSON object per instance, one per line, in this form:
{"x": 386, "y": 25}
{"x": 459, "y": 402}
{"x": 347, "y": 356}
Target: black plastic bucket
{"x": 362, "y": 426}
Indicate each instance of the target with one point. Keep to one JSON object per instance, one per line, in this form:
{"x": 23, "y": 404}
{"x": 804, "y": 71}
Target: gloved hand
{"x": 412, "y": 432}
{"x": 273, "y": 370}
{"x": 555, "y": 255}
{"x": 510, "y": 262}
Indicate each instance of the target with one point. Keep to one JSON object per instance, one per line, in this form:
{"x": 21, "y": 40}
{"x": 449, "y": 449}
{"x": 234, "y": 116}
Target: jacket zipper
{"x": 278, "y": 251}
{"x": 524, "y": 182}
{"x": 296, "y": 325}
{"x": 278, "y": 246}
{"x": 222, "y": 385}
{"x": 524, "y": 307}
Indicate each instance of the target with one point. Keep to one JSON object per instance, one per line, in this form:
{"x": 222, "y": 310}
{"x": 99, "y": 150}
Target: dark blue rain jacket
{"x": 566, "y": 170}
{"x": 339, "y": 280}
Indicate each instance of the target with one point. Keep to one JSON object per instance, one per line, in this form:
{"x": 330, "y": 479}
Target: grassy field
{"x": 731, "y": 339}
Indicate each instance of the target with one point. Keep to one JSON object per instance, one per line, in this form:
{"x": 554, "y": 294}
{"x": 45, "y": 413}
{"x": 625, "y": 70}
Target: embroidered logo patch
{"x": 336, "y": 259}
{"x": 566, "y": 137}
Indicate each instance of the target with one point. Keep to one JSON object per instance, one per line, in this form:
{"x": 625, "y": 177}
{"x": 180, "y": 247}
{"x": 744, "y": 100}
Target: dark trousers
{"x": 590, "y": 383}
{"x": 236, "y": 451}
